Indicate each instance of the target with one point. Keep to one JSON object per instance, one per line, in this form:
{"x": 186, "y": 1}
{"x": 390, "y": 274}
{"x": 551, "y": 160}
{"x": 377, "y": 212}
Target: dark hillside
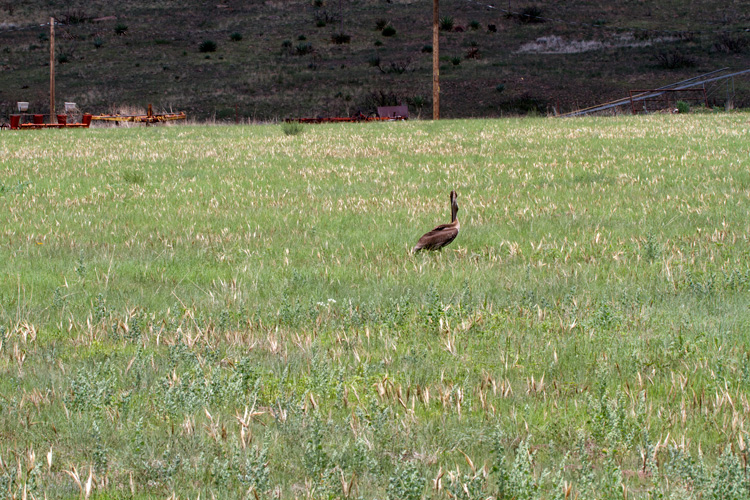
{"x": 276, "y": 59}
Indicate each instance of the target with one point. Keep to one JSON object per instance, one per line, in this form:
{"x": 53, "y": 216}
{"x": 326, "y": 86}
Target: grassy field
{"x": 232, "y": 312}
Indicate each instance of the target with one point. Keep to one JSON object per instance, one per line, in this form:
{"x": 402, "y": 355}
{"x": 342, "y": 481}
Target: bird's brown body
{"x": 442, "y": 235}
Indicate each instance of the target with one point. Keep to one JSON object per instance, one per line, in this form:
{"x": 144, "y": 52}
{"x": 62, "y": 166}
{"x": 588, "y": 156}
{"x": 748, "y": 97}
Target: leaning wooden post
{"x": 435, "y": 60}
{"x": 52, "y": 69}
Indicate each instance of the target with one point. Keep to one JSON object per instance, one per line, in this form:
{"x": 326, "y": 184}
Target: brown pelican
{"x": 443, "y": 234}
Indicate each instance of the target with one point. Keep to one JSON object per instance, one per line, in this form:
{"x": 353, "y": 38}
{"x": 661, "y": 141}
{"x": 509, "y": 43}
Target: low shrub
{"x": 292, "y": 128}
{"x": 74, "y": 17}
{"x": 304, "y": 49}
{"x": 731, "y": 44}
{"x": 341, "y": 38}
{"x": 207, "y": 46}
{"x": 446, "y": 23}
{"x": 674, "y": 59}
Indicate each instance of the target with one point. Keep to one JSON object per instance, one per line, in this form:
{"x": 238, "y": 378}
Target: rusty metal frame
{"x": 148, "y": 118}
{"x": 38, "y": 122}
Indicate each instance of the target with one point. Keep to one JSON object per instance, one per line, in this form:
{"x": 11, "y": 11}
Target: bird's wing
{"x": 441, "y": 227}
{"x": 437, "y": 238}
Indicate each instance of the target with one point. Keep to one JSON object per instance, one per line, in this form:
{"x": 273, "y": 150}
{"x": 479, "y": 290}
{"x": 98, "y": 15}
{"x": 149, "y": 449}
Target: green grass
{"x": 217, "y": 310}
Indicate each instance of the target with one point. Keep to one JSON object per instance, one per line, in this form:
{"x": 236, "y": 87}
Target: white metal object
{"x": 23, "y": 106}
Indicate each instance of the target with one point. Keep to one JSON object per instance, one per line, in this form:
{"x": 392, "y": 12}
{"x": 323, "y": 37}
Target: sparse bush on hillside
{"x": 417, "y": 102}
{"x": 674, "y": 59}
{"x": 474, "y": 25}
{"x": 374, "y": 61}
{"x": 121, "y": 29}
{"x": 64, "y": 57}
{"x": 323, "y": 18}
{"x": 389, "y": 31}
{"x": 236, "y": 37}
{"x": 500, "y": 87}
{"x": 446, "y": 23}
{"x": 98, "y": 43}
{"x": 207, "y": 46}
{"x": 427, "y": 49}
{"x": 74, "y": 17}
{"x": 396, "y": 67}
{"x": 380, "y": 98}
{"x": 341, "y": 38}
{"x": 682, "y": 107}
{"x": 731, "y": 44}
{"x": 303, "y": 49}
{"x": 399, "y": 67}
{"x": 380, "y": 24}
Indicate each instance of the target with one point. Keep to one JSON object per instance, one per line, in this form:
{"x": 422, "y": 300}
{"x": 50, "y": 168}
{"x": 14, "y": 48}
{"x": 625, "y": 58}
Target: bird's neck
{"x": 454, "y": 213}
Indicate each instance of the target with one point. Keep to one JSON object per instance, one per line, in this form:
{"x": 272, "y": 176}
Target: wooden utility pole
{"x": 52, "y": 69}
{"x": 435, "y": 60}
